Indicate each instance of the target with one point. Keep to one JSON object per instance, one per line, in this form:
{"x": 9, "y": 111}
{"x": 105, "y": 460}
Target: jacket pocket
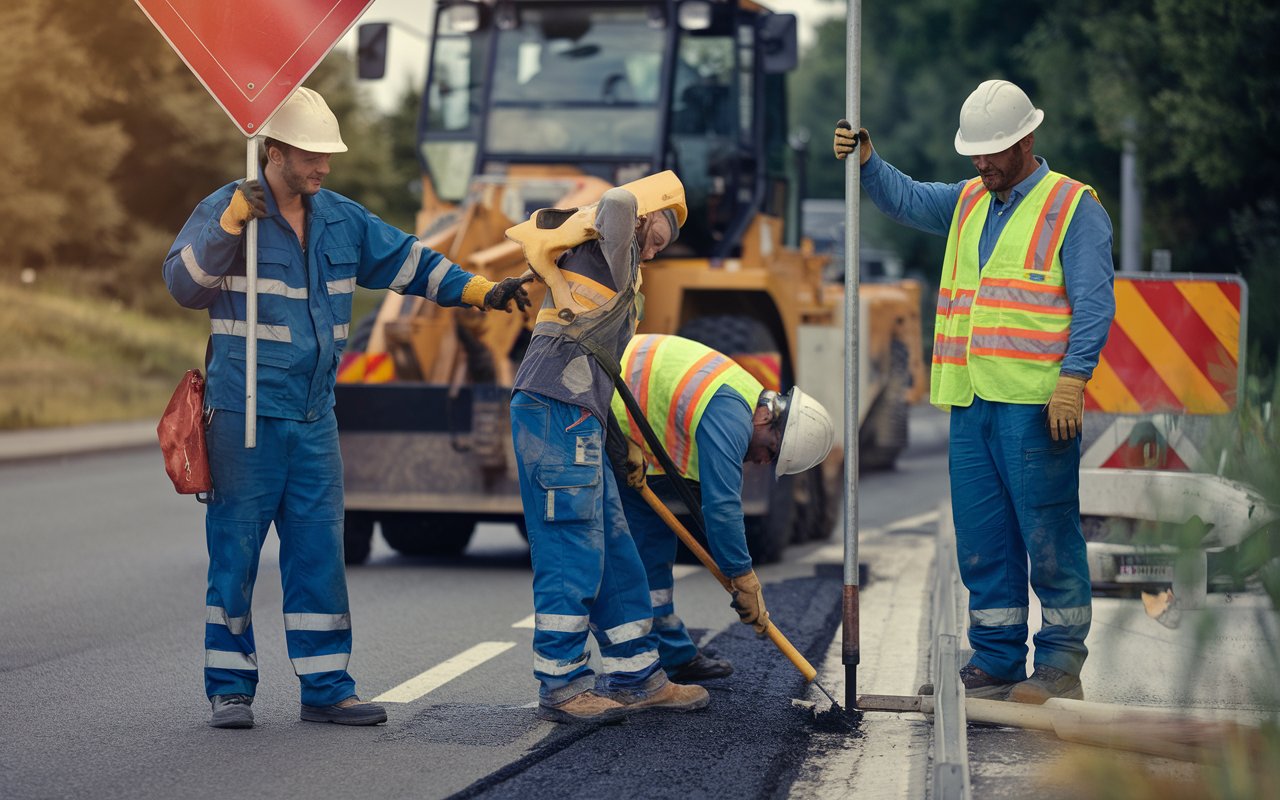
{"x": 570, "y": 493}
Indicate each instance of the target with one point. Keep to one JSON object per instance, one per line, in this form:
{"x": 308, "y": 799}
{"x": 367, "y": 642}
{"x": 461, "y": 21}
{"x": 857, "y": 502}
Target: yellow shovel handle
{"x": 793, "y": 655}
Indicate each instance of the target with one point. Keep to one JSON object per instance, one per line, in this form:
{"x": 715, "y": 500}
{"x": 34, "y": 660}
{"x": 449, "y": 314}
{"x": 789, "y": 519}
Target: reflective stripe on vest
{"x": 673, "y": 379}
{"x": 1001, "y": 332}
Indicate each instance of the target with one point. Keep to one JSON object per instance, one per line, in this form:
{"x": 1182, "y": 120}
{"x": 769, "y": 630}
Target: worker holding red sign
{"x": 315, "y": 247}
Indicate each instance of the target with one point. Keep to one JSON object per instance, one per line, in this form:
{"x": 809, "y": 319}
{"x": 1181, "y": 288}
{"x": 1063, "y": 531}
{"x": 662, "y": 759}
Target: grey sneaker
{"x": 1047, "y": 682}
{"x": 702, "y": 667}
{"x": 977, "y": 684}
{"x": 231, "y": 711}
{"x": 352, "y": 711}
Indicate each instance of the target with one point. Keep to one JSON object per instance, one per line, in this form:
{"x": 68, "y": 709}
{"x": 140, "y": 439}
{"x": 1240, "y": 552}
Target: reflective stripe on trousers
{"x": 293, "y": 477}
{"x": 585, "y": 565}
{"x": 1015, "y": 499}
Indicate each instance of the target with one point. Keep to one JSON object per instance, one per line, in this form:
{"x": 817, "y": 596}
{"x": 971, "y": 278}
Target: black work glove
{"x": 507, "y": 290}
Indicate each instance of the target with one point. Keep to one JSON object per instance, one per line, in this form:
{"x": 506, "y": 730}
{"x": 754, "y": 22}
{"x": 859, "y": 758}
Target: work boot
{"x": 1047, "y": 682}
{"x": 231, "y": 711}
{"x": 352, "y": 711}
{"x": 702, "y": 667}
{"x": 585, "y": 707}
{"x": 977, "y": 684}
{"x": 672, "y": 697}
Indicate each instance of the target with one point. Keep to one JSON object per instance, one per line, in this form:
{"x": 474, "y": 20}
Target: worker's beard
{"x": 296, "y": 181}
{"x": 1002, "y": 179}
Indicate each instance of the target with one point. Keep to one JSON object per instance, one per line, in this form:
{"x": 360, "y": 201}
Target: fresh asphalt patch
{"x": 750, "y": 742}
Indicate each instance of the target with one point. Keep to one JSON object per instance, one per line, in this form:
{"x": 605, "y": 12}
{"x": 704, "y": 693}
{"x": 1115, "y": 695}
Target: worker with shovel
{"x": 315, "y": 247}
{"x": 713, "y": 416}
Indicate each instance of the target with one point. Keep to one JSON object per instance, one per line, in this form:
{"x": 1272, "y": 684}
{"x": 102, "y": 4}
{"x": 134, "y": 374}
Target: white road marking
{"x": 909, "y": 523}
{"x": 444, "y": 672}
{"x": 527, "y": 622}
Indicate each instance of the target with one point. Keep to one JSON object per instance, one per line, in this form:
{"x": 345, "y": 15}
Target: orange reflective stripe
{"x": 1024, "y": 295}
{"x": 637, "y": 367}
{"x": 1060, "y": 223}
{"x": 672, "y": 412}
{"x": 950, "y": 350}
{"x": 688, "y": 401}
{"x": 590, "y": 293}
{"x": 968, "y": 201}
{"x": 1019, "y": 343}
{"x": 1034, "y": 258}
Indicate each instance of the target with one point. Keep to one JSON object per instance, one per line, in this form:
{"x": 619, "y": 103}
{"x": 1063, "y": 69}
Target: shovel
{"x": 793, "y": 655}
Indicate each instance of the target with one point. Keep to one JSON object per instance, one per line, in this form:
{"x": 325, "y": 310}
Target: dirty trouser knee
{"x": 586, "y": 572}
{"x": 294, "y": 478}
{"x": 1015, "y": 497}
{"x": 657, "y": 546}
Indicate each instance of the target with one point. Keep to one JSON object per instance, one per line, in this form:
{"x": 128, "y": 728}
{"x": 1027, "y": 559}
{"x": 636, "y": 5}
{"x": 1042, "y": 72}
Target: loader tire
{"x": 884, "y": 434}
{"x": 769, "y": 534}
{"x": 744, "y": 339}
{"x": 357, "y": 536}
{"x": 815, "y": 515}
{"x": 414, "y": 534}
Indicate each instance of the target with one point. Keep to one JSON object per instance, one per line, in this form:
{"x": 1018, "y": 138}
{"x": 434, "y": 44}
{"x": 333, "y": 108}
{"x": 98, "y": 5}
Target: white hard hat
{"x": 305, "y": 122}
{"x": 995, "y": 116}
{"x": 807, "y": 433}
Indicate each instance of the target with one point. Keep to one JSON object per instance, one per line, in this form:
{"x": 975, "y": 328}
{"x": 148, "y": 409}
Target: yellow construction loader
{"x": 534, "y": 105}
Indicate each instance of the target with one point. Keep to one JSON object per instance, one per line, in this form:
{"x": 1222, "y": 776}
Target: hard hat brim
{"x": 992, "y": 146}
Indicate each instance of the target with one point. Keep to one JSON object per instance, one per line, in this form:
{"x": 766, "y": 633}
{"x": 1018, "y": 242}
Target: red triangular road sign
{"x": 252, "y": 54}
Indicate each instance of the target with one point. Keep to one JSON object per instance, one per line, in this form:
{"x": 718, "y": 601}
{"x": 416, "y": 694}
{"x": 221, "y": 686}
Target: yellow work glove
{"x": 748, "y": 601}
{"x": 635, "y": 466}
{"x": 248, "y": 202}
{"x": 846, "y": 141}
{"x": 1066, "y": 408}
{"x": 485, "y": 294}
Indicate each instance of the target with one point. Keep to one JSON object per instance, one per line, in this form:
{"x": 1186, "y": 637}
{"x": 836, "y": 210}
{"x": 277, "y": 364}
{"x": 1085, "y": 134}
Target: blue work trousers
{"x": 1015, "y": 497}
{"x": 657, "y": 545}
{"x": 293, "y": 477}
{"x": 587, "y": 574}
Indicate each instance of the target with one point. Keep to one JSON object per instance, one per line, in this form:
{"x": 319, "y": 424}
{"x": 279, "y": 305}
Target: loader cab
{"x": 617, "y": 89}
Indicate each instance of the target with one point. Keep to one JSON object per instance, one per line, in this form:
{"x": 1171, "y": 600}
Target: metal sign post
{"x": 251, "y": 307}
{"x": 850, "y": 649}
{"x": 251, "y": 55}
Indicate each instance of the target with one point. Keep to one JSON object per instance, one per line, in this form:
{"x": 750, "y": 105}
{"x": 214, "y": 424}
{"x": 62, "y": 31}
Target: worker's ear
{"x": 763, "y": 417}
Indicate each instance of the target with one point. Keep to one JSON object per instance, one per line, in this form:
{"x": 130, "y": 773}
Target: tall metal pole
{"x": 1130, "y": 202}
{"x": 850, "y": 650}
{"x": 251, "y": 308}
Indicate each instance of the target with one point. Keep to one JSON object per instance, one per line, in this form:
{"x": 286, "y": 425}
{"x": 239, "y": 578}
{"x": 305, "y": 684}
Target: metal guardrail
{"x": 950, "y": 738}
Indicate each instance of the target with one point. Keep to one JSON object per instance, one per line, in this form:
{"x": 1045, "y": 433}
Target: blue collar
{"x": 1026, "y": 185}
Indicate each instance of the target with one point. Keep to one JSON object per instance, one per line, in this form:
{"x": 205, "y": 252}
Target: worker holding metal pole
{"x": 316, "y": 247}
{"x": 850, "y": 653}
{"x": 1024, "y": 307}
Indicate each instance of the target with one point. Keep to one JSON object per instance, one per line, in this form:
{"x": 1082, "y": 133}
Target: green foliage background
{"x": 1196, "y": 83}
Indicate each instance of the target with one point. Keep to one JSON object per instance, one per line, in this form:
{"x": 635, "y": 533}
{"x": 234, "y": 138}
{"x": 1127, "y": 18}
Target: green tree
{"x": 60, "y": 152}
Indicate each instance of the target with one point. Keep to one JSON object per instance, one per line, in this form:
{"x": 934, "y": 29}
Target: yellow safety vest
{"x": 673, "y": 379}
{"x": 1002, "y": 332}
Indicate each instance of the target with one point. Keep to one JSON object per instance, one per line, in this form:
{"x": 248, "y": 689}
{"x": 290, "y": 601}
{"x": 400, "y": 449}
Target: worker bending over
{"x": 587, "y": 575}
{"x": 712, "y": 417}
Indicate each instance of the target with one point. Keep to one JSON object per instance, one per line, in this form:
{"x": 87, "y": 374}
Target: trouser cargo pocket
{"x": 570, "y": 493}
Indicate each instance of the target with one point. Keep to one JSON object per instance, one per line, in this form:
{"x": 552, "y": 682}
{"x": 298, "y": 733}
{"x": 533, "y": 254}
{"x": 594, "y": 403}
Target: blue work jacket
{"x": 304, "y": 298}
